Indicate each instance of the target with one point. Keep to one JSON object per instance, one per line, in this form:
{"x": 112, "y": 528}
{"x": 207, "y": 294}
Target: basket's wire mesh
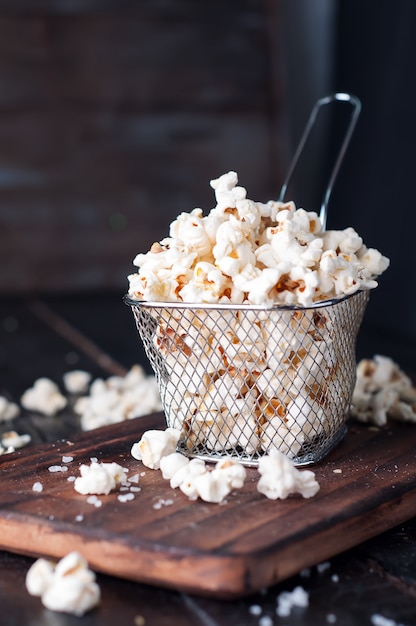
{"x": 240, "y": 380}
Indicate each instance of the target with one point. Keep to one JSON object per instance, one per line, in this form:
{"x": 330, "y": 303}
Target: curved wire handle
{"x": 340, "y": 97}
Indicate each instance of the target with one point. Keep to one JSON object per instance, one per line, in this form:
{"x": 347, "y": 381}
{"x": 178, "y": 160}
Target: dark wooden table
{"x": 48, "y": 337}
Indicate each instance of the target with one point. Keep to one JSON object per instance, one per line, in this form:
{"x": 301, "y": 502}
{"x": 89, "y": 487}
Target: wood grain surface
{"x": 229, "y": 550}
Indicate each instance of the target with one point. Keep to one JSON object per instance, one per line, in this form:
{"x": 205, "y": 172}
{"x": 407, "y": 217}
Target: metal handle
{"x": 340, "y": 97}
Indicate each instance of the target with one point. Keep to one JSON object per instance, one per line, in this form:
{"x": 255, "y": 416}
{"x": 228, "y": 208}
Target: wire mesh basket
{"x": 239, "y": 380}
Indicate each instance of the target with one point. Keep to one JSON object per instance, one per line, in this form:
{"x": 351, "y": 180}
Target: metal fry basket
{"x": 239, "y": 380}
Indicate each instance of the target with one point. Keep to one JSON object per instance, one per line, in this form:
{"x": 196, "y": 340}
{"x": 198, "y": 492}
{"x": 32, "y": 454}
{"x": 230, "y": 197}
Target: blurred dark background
{"x": 115, "y": 114}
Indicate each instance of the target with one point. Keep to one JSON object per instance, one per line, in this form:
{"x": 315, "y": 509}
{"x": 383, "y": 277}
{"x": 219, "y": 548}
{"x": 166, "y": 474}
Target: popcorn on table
{"x": 68, "y": 586}
{"x": 44, "y": 397}
{"x": 279, "y": 477}
{"x": 252, "y": 252}
{"x": 99, "y": 478}
{"x": 382, "y": 391}
{"x": 77, "y": 381}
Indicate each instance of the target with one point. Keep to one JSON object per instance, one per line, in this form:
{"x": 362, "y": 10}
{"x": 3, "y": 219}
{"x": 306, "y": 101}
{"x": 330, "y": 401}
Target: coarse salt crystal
{"x": 125, "y": 497}
{"x": 37, "y": 486}
{"x": 79, "y": 518}
{"x": 57, "y": 468}
{"x": 255, "y": 609}
{"x": 67, "y": 459}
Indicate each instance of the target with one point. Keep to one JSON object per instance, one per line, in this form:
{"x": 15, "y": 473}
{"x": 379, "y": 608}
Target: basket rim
{"x": 222, "y": 306}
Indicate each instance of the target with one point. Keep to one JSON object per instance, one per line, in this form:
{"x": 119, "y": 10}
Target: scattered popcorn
{"x": 380, "y": 620}
{"x": 154, "y": 445}
{"x": 272, "y": 380}
{"x": 289, "y": 599}
{"x": 250, "y": 252}
{"x": 382, "y": 392}
{"x": 77, "y": 381}
{"x": 37, "y": 487}
{"x": 118, "y": 398}
{"x": 39, "y": 577}
{"x": 8, "y": 410}
{"x": 13, "y": 440}
{"x": 195, "y": 480}
{"x": 99, "y": 478}
{"x": 280, "y": 478}
{"x": 69, "y": 586}
{"x": 322, "y": 567}
{"x": 255, "y": 609}
{"x": 44, "y": 397}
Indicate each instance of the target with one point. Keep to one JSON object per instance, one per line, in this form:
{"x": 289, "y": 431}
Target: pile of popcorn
{"x": 251, "y": 379}
{"x": 279, "y": 477}
{"x": 382, "y": 392}
{"x": 255, "y": 253}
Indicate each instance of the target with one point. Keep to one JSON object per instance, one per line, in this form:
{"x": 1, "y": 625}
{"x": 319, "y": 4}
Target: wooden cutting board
{"x": 368, "y": 485}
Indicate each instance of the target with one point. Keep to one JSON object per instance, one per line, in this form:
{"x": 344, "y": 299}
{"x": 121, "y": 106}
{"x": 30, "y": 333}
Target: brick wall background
{"x": 115, "y": 115}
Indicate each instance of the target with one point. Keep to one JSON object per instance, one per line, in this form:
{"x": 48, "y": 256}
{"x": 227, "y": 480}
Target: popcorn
{"x": 195, "y": 480}
{"x": 154, "y": 445}
{"x": 13, "y": 440}
{"x": 69, "y": 586}
{"x": 382, "y": 391}
{"x": 8, "y": 410}
{"x": 262, "y": 381}
{"x": 44, "y": 397}
{"x": 280, "y": 478}
{"x": 76, "y": 381}
{"x": 205, "y": 258}
{"x": 117, "y": 399}
{"x": 99, "y": 478}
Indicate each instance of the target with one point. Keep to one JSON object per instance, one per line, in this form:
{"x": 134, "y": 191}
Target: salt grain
{"x": 79, "y": 518}
{"x": 265, "y": 621}
{"x": 38, "y": 487}
{"x": 125, "y": 497}
{"x": 331, "y": 618}
{"x": 94, "y": 500}
{"x": 57, "y": 468}
{"x": 71, "y": 479}
{"x": 67, "y": 459}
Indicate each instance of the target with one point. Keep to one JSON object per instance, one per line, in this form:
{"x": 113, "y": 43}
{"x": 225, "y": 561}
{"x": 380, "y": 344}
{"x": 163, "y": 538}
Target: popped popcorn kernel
{"x": 382, "y": 392}
{"x": 99, "y": 478}
{"x": 68, "y": 586}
